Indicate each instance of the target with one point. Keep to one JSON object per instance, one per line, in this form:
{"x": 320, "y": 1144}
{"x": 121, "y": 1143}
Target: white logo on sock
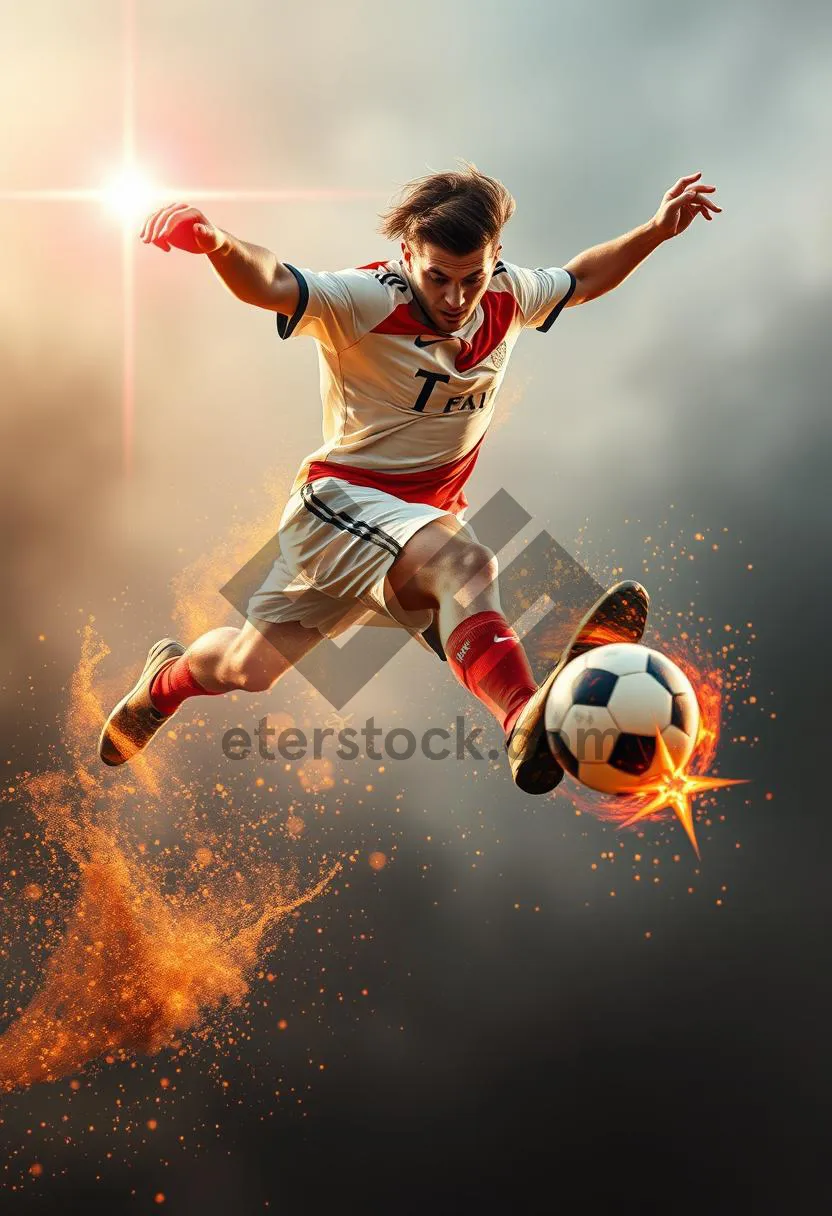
{"x": 497, "y": 638}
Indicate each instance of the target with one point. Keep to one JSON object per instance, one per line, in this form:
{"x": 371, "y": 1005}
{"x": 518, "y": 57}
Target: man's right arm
{"x": 252, "y": 273}
{"x": 255, "y": 275}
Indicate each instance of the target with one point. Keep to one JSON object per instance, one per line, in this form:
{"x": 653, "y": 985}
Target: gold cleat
{"x": 619, "y": 615}
{"x": 135, "y": 720}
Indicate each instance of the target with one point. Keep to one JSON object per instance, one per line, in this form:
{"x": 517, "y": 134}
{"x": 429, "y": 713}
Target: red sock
{"x": 487, "y": 657}
{"x": 174, "y": 684}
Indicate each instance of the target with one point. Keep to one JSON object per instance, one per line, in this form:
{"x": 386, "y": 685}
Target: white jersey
{"x": 405, "y": 408}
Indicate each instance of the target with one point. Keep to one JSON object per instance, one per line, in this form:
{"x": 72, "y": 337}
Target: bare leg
{"x": 443, "y": 568}
{"x": 251, "y": 658}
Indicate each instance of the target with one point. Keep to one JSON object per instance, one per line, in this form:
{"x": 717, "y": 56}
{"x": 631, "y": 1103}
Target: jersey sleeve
{"x": 335, "y": 307}
{"x": 540, "y": 294}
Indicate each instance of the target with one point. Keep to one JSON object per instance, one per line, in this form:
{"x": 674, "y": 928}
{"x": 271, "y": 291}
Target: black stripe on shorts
{"x": 347, "y": 523}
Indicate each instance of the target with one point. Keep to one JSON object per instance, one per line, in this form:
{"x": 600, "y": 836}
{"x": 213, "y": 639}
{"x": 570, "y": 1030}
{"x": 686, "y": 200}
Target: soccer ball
{"x": 605, "y": 708}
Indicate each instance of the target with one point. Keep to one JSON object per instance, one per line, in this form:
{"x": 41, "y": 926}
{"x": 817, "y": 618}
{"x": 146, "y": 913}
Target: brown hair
{"x": 460, "y": 212}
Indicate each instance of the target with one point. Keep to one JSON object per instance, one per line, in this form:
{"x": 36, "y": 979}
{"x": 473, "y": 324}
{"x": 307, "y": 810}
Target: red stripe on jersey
{"x": 402, "y": 321}
{"x": 440, "y": 487}
{"x": 499, "y": 309}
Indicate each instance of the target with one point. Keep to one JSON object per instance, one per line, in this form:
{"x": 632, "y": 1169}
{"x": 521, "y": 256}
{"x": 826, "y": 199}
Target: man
{"x": 412, "y": 354}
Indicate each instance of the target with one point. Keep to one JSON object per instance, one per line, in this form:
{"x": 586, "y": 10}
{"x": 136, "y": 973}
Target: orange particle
{"x": 159, "y": 1197}
{"x": 204, "y": 856}
{"x": 769, "y": 796}
{"x": 377, "y": 861}
{"x": 36, "y": 1169}
{"x": 75, "y": 1085}
{"x": 295, "y": 826}
{"x": 33, "y": 891}
{"x": 152, "y": 1124}
{"x": 282, "y": 1024}
{"x": 164, "y": 1082}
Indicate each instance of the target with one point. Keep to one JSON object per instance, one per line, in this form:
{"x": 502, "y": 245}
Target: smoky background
{"x": 556, "y": 1047}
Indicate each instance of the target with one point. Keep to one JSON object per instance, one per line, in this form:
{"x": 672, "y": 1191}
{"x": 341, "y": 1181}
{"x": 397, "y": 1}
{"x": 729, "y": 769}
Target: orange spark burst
{"x": 674, "y": 788}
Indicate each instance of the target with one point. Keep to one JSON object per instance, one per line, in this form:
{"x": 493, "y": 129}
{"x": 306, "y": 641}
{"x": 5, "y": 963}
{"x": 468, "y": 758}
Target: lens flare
{"x": 130, "y": 196}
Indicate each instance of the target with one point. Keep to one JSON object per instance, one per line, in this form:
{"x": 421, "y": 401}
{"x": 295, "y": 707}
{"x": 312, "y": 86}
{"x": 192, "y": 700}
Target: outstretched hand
{"x": 682, "y": 203}
{"x": 181, "y": 227}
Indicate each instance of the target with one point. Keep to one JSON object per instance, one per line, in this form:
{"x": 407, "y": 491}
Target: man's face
{"x": 449, "y": 286}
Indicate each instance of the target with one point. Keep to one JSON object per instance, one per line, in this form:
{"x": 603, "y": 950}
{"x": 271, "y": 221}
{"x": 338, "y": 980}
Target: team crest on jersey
{"x": 498, "y": 355}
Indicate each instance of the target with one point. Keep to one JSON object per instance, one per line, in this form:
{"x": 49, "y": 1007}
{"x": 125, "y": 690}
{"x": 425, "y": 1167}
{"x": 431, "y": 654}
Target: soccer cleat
{"x": 135, "y": 720}
{"x": 619, "y": 615}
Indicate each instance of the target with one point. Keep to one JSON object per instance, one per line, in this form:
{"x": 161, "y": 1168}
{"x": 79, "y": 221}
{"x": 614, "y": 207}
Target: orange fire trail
{"x": 137, "y": 964}
{"x": 675, "y": 789}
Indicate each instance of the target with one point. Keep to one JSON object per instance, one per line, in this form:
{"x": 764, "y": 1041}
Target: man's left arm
{"x": 599, "y": 269}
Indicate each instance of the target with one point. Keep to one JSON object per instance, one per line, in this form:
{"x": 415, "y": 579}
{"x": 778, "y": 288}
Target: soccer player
{"x": 412, "y": 353}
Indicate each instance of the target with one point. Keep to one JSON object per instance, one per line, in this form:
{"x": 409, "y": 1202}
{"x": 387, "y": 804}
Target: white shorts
{"x": 337, "y": 544}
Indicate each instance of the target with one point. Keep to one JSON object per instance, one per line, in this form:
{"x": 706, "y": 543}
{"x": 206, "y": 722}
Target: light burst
{"x": 130, "y": 196}
{"x": 674, "y": 788}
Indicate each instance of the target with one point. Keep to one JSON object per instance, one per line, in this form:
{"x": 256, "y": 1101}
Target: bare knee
{"x": 465, "y": 566}
{"x": 438, "y": 561}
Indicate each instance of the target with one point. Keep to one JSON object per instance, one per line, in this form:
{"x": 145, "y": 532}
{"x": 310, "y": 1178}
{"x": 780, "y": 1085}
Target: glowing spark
{"x": 674, "y": 788}
{"x": 130, "y": 196}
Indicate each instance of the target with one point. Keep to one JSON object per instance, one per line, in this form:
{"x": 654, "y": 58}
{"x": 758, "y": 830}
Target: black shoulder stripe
{"x": 561, "y": 304}
{"x": 286, "y": 325}
{"x": 389, "y": 277}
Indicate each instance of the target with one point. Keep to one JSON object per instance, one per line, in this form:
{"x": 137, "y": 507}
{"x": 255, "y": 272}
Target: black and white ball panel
{"x": 590, "y": 732}
{"x": 594, "y": 686}
{"x": 639, "y": 703}
{"x": 667, "y": 673}
{"x": 685, "y": 713}
{"x": 633, "y": 754}
{"x": 605, "y": 708}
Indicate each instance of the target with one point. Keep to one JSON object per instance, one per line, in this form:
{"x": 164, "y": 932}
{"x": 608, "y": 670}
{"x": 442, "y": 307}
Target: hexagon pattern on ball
{"x": 603, "y": 712}
{"x": 639, "y": 703}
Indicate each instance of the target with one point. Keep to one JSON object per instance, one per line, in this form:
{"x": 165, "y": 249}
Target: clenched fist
{"x": 182, "y": 227}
